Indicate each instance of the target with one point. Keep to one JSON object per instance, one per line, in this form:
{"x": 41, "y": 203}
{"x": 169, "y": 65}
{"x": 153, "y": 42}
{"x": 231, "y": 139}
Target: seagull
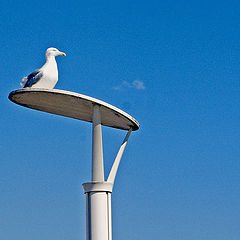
{"x": 47, "y": 75}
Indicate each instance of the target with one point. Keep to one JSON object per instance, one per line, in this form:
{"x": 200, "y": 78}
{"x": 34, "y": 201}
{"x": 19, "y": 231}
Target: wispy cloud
{"x": 136, "y": 84}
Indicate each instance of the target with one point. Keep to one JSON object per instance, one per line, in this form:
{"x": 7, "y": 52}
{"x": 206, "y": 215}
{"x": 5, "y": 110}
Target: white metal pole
{"x": 98, "y": 216}
{"x": 98, "y": 211}
{"x": 98, "y": 192}
{"x": 97, "y": 151}
{"x": 97, "y": 199}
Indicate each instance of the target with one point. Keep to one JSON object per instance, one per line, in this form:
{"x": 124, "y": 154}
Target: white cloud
{"x": 136, "y": 84}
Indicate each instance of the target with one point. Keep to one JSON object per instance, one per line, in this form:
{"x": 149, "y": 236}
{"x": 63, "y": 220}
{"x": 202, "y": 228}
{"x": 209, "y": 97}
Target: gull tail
{"x": 24, "y": 80}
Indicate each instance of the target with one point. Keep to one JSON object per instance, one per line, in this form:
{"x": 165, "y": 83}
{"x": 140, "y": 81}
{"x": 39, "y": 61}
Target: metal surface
{"x": 97, "y": 187}
{"x": 98, "y": 218}
{"x": 98, "y": 210}
{"x": 72, "y": 105}
{"x": 113, "y": 172}
{"x": 97, "y": 151}
{"x": 97, "y": 191}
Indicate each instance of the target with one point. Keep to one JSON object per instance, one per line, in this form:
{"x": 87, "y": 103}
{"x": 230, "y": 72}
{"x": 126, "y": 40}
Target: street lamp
{"x": 78, "y": 106}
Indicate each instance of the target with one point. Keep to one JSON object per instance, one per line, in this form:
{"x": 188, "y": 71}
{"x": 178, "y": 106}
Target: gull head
{"x": 53, "y": 52}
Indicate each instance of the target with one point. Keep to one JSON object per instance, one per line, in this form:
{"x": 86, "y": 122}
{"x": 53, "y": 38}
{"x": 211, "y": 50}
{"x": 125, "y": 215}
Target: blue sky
{"x": 172, "y": 65}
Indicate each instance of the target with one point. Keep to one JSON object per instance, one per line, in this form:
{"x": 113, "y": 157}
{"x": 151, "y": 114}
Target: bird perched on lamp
{"x": 47, "y": 75}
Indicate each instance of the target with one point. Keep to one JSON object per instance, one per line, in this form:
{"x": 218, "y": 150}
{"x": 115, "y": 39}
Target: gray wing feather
{"x": 33, "y": 78}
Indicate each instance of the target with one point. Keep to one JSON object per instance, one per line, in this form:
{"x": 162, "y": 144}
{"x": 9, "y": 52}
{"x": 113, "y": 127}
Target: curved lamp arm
{"x": 113, "y": 172}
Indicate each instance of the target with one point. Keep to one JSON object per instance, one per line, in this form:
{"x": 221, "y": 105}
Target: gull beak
{"x": 62, "y": 53}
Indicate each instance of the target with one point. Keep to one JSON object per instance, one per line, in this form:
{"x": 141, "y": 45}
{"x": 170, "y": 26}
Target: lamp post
{"x": 98, "y": 191}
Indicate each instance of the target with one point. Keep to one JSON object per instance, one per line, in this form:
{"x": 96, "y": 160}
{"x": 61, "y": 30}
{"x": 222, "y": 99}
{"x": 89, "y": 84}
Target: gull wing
{"x": 33, "y": 78}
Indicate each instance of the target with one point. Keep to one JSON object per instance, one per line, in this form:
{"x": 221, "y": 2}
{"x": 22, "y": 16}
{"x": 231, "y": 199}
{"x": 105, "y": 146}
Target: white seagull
{"x": 47, "y": 75}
